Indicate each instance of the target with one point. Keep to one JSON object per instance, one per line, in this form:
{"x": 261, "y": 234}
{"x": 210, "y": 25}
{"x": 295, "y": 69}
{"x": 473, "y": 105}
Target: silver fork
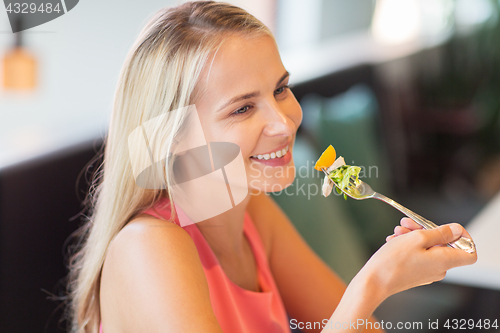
{"x": 360, "y": 190}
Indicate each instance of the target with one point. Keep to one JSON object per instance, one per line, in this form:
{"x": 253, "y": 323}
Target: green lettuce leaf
{"x": 342, "y": 175}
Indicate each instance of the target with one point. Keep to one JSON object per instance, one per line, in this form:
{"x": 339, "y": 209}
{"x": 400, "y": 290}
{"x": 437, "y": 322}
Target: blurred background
{"x": 407, "y": 89}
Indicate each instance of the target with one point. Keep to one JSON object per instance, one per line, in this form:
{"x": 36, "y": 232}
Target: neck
{"x": 224, "y": 232}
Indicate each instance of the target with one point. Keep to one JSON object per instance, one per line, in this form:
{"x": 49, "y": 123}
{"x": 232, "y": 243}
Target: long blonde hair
{"x": 160, "y": 74}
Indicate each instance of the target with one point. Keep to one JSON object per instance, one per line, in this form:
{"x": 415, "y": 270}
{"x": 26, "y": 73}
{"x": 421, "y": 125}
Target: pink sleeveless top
{"x": 237, "y": 310}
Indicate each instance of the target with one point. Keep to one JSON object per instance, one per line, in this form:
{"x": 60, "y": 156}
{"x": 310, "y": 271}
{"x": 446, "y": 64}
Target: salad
{"x": 337, "y": 171}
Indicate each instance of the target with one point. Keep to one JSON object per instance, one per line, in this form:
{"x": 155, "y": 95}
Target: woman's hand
{"x": 407, "y": 225}
{"x": 413, "y": 257}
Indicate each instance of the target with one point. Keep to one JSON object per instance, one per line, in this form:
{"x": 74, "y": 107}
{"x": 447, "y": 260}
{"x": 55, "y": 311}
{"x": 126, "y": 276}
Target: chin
{"x": 275, "y": 183}
{"x": 278, "y": 186}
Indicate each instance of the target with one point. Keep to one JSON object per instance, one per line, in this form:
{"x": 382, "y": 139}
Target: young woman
{"x": 244, "y": 270}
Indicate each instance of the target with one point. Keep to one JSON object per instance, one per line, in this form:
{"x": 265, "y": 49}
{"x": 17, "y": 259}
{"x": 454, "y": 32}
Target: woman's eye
{"x": 280, "y": 90}
{"x": 242, "y": 110}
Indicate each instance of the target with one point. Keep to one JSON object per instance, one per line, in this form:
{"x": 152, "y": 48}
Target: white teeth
{"x": 277, "y": 154}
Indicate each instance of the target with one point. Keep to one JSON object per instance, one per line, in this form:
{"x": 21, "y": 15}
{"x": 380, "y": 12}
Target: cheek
{"x": 244, "y": 133}
{"x": 247, "y": 137}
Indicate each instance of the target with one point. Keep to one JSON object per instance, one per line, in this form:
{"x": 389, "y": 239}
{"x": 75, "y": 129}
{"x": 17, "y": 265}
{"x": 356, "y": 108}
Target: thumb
{"x": 443, "y": 234}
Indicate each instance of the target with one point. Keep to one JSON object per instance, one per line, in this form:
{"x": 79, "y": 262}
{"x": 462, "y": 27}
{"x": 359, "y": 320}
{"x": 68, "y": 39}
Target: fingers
{"x": 410, "y": 224}
{"x": 398, "y": 230}
{"x": 443, "y": 234}
{"x": 454, "y": 258}
{"x": 464, "y": 232}
{"x": 435, "y": 241}
{"x": 407, "y": 225}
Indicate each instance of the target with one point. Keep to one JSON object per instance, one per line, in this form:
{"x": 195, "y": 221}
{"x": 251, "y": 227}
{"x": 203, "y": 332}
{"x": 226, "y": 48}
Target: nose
{"x": 279, "y": 120}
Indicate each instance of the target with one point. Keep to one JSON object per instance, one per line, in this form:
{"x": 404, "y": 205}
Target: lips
{"x": 273, "y": 159}
{"x": 269, "y": 156}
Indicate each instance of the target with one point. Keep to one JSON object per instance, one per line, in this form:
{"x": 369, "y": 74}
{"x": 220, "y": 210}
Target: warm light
{"x": 19, "y": 70}
{"x": 19, "y": 66}
{"x": 396, "y": 21}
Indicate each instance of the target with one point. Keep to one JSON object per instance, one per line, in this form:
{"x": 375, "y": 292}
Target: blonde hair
{"x": 160, "y": 74}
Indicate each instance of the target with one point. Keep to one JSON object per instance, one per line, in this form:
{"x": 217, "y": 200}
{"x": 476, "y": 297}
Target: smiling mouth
{"x": 277, "y": 154}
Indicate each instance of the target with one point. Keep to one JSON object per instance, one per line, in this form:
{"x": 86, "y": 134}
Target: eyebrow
{"x": 252, "y": 94}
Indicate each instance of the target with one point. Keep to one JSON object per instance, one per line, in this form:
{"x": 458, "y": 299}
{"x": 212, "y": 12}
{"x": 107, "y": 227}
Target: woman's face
{"x": 246, "y": 101}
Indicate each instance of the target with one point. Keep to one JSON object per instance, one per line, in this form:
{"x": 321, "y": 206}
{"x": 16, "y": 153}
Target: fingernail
{"x": 456, "y": 230}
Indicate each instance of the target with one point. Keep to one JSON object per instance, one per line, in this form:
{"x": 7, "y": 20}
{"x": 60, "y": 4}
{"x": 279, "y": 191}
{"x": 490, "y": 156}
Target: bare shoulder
{"x": 151, "y": 268}
{"x": 146, "y": 239}
{"x": 149, "y": 231}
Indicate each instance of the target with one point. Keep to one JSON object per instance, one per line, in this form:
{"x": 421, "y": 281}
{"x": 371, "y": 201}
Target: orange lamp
{"x": 19, "y": 67}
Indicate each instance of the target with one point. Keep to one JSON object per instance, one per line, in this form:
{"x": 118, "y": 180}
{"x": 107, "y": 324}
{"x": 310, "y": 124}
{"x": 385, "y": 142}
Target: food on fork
{"x": 336, "y": 171}
{"x": 326, "y": 159}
